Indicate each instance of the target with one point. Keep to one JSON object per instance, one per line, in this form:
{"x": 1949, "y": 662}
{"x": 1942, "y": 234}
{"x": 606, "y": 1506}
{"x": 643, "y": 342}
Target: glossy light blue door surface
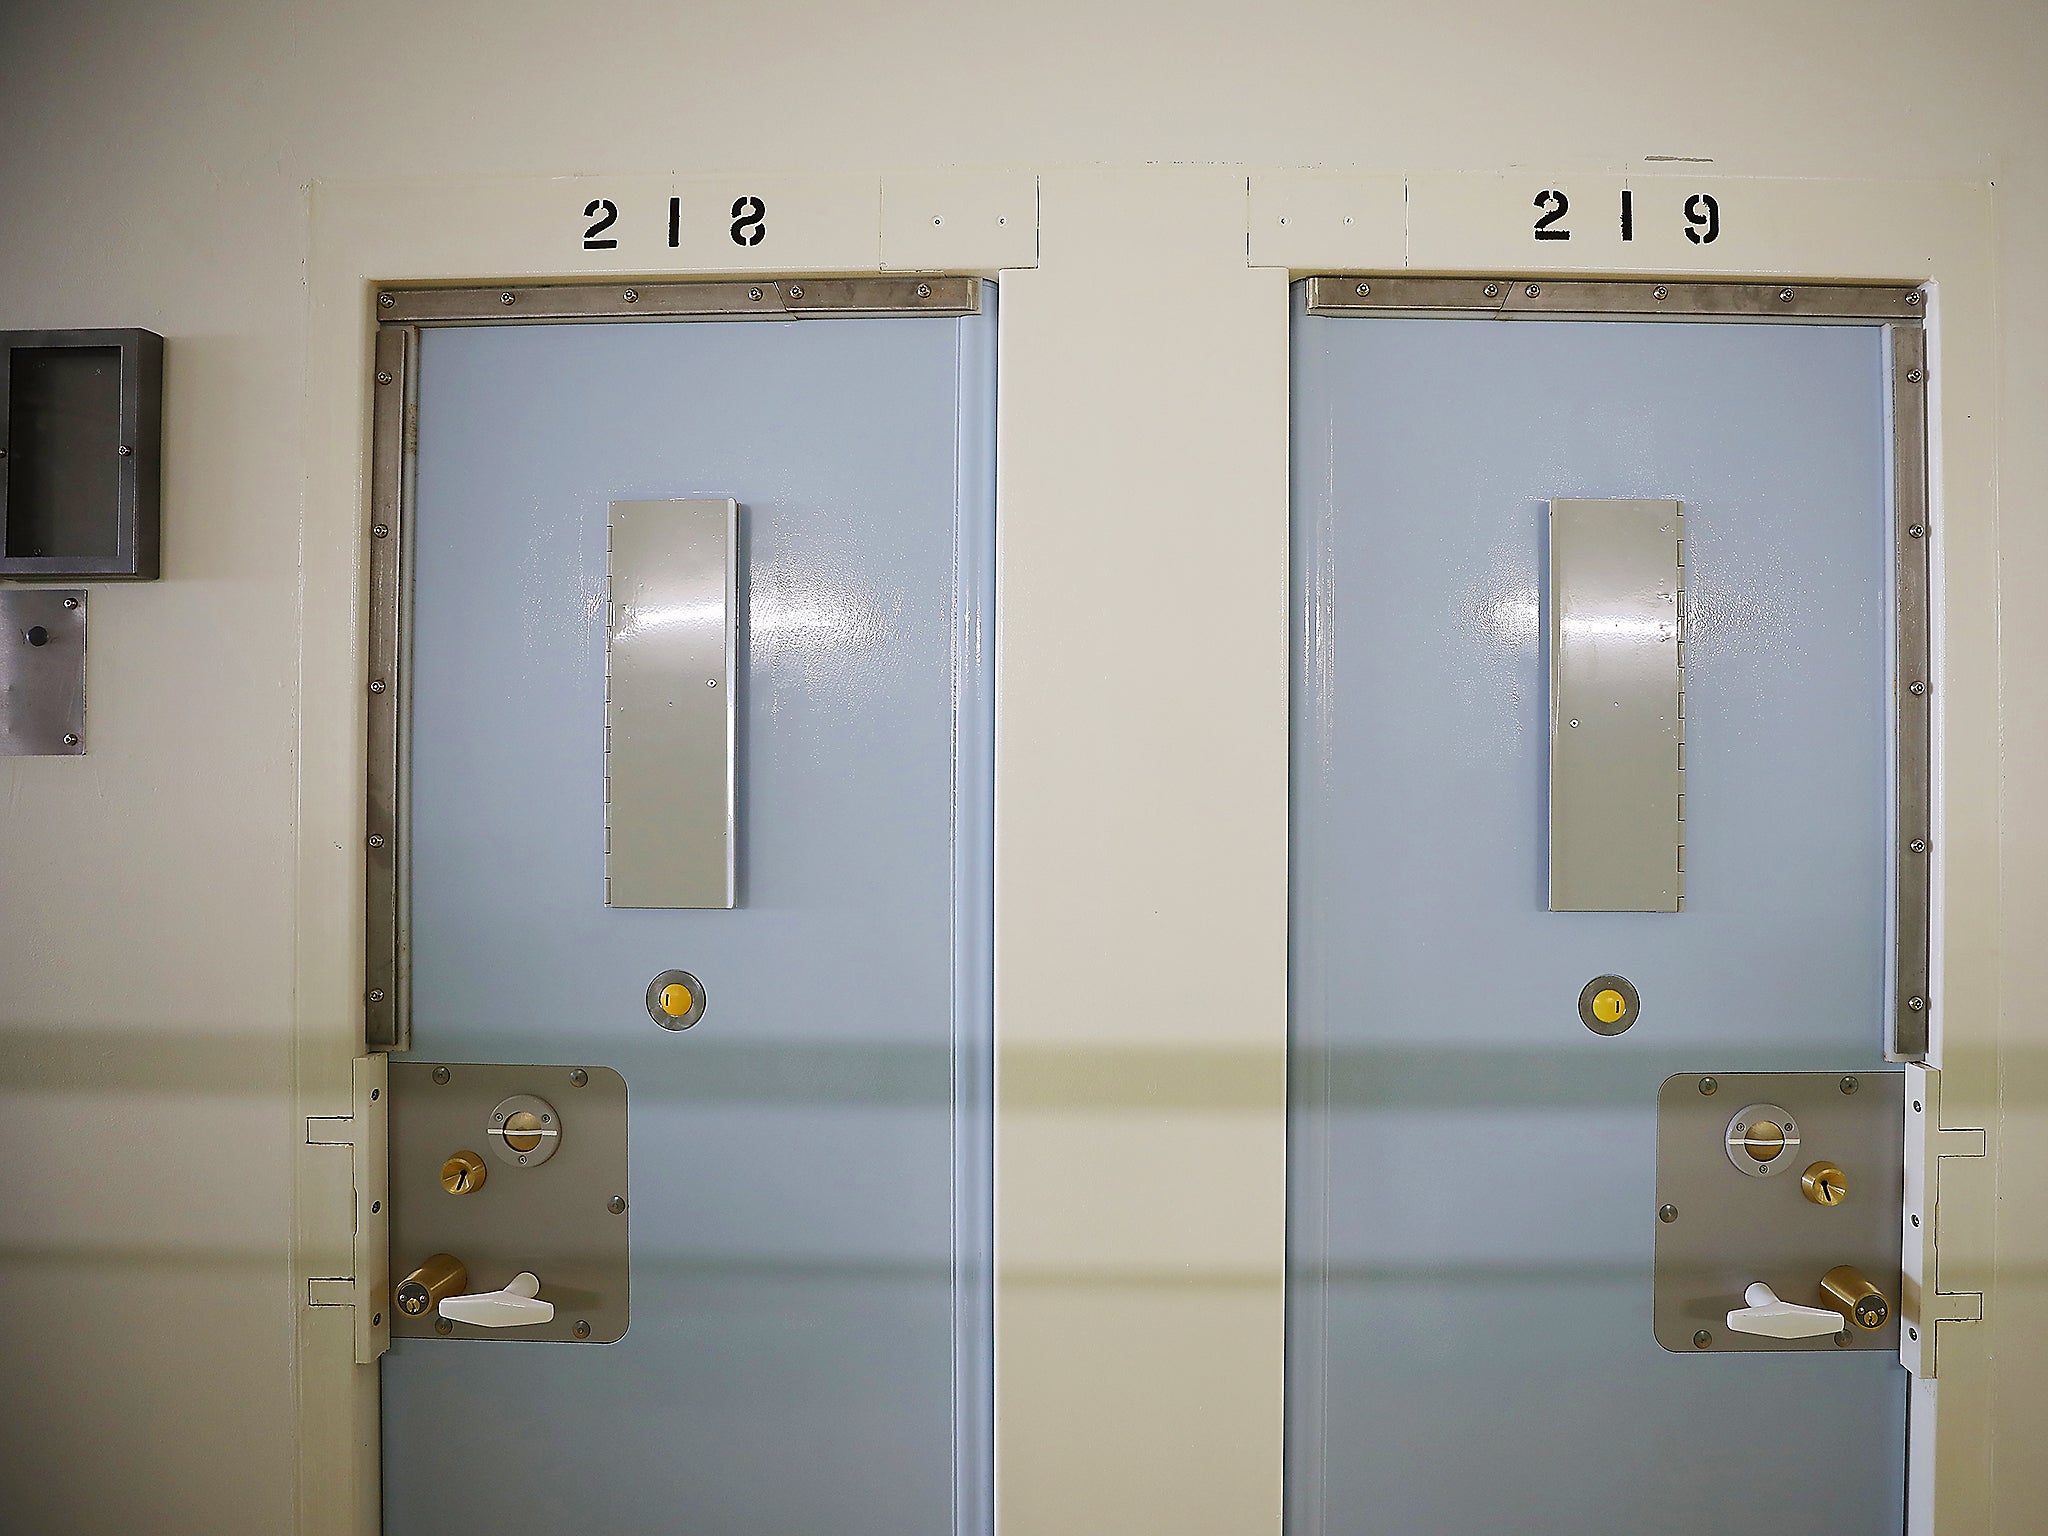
{"x": 809, "y": 1340}
{"x": 1472, "y": 1171}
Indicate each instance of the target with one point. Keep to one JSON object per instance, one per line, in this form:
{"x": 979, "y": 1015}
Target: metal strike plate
{"x": 564, "y": 1217}
{"x": 1728, "y": 1229}
{"x": 42, "y": 673}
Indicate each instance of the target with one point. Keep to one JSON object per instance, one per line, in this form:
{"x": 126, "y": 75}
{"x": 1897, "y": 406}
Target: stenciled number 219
{"x": 1702, "y": 216}
{"x": 749, "y": 223}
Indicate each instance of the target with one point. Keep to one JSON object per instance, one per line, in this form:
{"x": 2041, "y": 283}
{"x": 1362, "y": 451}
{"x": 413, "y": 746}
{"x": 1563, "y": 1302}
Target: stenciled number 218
{"x": 1702, "y": 216}
{"x": 749, "y": 223}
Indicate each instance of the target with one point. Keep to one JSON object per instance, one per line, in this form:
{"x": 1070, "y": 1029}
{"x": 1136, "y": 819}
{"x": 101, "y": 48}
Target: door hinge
{"x": 365, "y": 1132}
{"x": 1931, "y": 1149}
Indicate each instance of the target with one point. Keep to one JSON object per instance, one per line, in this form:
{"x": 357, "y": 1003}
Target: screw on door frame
{"x": 616, "y": 1205}
{"x": 1850, "y": 1085}
{"x": 1667, "y": 1213}
{"x": 1709, "y": 1086}
{"x": 582, "y": 1329}
{"x": 440, "y": 1074}
{"x": 1702, "y": 1339}
{"x": 579, "y": 1077}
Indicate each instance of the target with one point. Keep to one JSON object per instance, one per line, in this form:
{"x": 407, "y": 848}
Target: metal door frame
{"x": 1901, "y": 310}
{"x": 400, "y": 313}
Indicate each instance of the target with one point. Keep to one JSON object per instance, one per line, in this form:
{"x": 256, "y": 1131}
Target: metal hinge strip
{"x": 365, "y": 1131}
{"x": 1924, "y": 1304}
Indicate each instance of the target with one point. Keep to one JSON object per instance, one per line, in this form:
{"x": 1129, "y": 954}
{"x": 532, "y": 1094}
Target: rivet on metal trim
{"x": 753, "y": 293}
{"x": 385, "y": 301}
{"x": 1850, "y": 1085}
{"x": 924, "y": 290}
{"x": 383, "y": 377}
{"x": 1912, "y": 375}
{"x": 616, "y": 1205}
{"x": 796, "y": 290}
{"x": 379, "y": 531}
{"x": 631, "y": 295}
{"x": 1491, "y": 290}
{"x": 1916, "y": 689}
{"x": 1914, "y": 297}
{"x": 1667, "y": 1213}
{"x": 1533, "y": 291}
{"x": 376, "y": 840}
{"x": 1916, "y": 1004}
{"x": 440, "y": 1074}
{"x": 1660, "y": 293}
{"x": 1709, "y": 1086}
{"x": 376, "y": 685}
{"x": 1784, "y": 295}
{"x": 579, "y": 1077}
{"x": 1918, "y": 845}
{"x": 506, "y": 297}
{"x": 1702, "y": 1339}
{"x": 376, "y": 994}
{"x": 1916, "y": 532}
{"x": 1364, "y": 289}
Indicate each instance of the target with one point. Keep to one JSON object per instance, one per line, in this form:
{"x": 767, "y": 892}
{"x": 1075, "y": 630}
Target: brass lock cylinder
{"x": 1847, "y": 1290}
{"x": 1824, "y": 1184}
{"x": 464, "y": 1174}
{"x": 420, "y": 1292}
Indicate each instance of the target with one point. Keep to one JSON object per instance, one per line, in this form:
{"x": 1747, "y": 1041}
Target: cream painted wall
{"x": 153, "y": 166}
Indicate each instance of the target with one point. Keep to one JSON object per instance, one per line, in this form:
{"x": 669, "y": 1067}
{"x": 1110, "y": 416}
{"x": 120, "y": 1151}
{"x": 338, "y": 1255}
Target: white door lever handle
{"x": 1773, "y": 1318}
{"x": 517, "y": 1306}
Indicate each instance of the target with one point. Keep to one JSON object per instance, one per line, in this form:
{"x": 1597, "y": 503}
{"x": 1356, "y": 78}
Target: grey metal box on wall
{"x": 670, "y": 663}
{"x": 1616, "y": 706}
{"x": 81, "y": 429}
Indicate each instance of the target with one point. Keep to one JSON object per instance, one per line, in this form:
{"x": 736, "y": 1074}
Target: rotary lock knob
{"x": 420, "y": 1292}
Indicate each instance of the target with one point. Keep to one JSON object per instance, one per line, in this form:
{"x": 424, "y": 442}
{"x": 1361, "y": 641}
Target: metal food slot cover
{"x": 671, "y": 644}
{"x": 1617, "y": 729}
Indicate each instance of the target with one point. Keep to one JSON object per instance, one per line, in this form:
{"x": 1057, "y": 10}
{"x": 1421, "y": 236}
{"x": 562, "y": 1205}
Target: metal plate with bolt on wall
{"x": 563, "y": 1218}
{"x": 1720, "y": 1230}
{"x": 42, "y": 673}
{"x": 1616, "y": 706}
{"x": 672, "y": 629}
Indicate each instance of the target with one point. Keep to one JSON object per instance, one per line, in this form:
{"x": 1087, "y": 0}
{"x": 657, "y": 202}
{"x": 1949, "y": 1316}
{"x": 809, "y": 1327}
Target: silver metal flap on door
{"x": 670, "y": 665}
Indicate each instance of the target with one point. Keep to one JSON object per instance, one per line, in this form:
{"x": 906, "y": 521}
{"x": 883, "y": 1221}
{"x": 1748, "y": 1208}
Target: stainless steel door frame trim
{"x": 805, "y": 298}
{"x": 1902, "y": 311}
{"x": 1512, "y": 297}
{"x": 394, "y": 436}
{"x": 1912, "y": 701}
{"x": 400, "y": 313}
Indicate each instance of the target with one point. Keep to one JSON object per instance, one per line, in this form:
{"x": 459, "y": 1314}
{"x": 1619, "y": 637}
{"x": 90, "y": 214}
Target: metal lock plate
{"x": 42, "y": 673}
{"x": 553, "y": 1216}
{"x": 1729, "y": 1227}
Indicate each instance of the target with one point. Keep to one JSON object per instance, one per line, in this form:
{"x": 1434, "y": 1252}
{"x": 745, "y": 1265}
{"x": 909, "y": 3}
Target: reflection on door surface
{"x": 1473, "y": 1166}
{"x": 808, "y": 1348}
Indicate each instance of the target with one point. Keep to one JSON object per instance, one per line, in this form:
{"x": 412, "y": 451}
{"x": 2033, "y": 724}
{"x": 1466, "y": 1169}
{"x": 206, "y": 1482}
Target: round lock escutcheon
{"x": 675, "y": 999}
{"x": 1762, "y": 1139}
{"x": 1609, "y": 1004}
{"x": 524, "y": 1130}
